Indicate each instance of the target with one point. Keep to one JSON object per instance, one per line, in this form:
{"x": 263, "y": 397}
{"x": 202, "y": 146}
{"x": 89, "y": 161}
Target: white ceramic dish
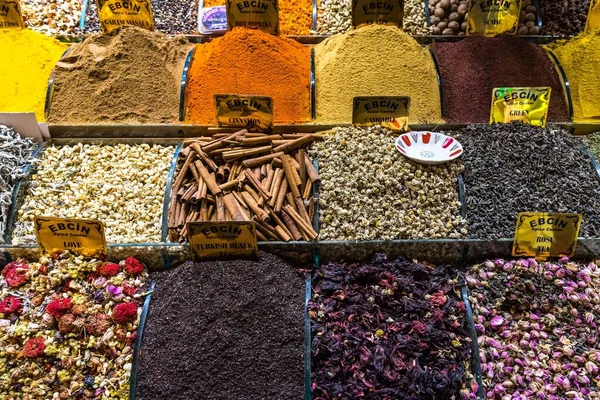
{"x": 430, "y": 148}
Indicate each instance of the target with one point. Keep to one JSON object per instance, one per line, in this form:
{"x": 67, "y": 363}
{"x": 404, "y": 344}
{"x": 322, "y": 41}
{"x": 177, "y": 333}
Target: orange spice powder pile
{"x": 295, "y": 16}
{"x": 250, "y": 62}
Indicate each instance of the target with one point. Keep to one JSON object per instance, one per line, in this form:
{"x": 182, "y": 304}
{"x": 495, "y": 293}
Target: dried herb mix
{"x": 387, "y": 330}
{"x": 471, "y": 68}
{"x": 515, "y": 168}
{"x": 225, "y": 330}
{"x": 538, "y": 328}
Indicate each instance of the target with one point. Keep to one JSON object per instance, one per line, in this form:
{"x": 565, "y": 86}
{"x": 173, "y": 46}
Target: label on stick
{"x": 388, "y": 111}
{"x": 82, "y": 236}
{"x": 116, "y": 13}
{"x": 250, "y": 112}
{"x": 544, "y": 235}
{"x": 527, "y": 105}
{"x": 493, "y": 17}
{"x": 593, "y": 20}
{"x": 253, "y": 14}
{"x": 11, "y": 16}
{"x": 382, "y": 12}
{"x": 223, "y": 239}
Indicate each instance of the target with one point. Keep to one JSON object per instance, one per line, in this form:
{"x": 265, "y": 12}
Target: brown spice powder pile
{"x": 129, "y": 76}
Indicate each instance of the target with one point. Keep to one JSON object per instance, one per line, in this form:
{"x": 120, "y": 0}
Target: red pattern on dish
{"x": 447, "y": 143}
{"x": 426, "y": 137}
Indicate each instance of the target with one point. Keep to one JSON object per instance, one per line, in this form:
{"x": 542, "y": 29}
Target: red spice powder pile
{"x": 250, "y": 62}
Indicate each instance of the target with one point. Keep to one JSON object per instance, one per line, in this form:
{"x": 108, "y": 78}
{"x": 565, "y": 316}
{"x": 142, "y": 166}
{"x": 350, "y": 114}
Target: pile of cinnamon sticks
{"x": 265, "y": 178}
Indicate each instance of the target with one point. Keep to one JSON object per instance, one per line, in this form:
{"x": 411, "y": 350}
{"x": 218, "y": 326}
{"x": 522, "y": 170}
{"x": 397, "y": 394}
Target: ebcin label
{"x": 526, "y": 105}
{"x": 116, "y": 13}
{"x": 10, "y": 15}
{"x": 493, "y": 17}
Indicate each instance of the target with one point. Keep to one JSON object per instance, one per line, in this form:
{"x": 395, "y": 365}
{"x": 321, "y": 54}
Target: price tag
{"x": 116, "y": 13}
{"x": 593, "y": 20}
{"x": 527, "y": 105}
{"x": 493, "y": 17}
{"x": 223, "y": 239}
{"x": 253, "y": 14}
{"x": 382, "y": 12}
{"x": 85, "y": 237}
{"x": 11, "y": 16}
{"x": 250, "y": 112}
{"x": 544, "y": 235}
{"x": 388, "y": 111}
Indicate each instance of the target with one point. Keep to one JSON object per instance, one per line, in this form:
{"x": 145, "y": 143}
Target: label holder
{"x": 543, "y": 235}
{"x": 82, "y": 236}
{"x": 222, "y": 239}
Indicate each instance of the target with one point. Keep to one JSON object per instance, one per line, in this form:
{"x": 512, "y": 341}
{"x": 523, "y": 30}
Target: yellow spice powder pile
{"x": 375, "y": 60}
{"x": 27, "y": 61}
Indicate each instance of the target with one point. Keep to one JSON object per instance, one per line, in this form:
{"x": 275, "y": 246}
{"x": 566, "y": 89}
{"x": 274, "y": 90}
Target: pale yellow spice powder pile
{"x": 374, "y": 60}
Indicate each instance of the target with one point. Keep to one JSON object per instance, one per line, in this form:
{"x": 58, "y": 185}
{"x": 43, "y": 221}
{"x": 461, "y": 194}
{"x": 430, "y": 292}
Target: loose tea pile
{"x": 121, "y": 185}
{"x": 538, "y": 328}
{"x": 387, "y": 330}
{"x": 413, "y": 201}
{"x": 374, "y": 60}
{"x": 284, "y": 74}
{"x": 564, "y": 18}
{"x": 575, "y": 56}
{"x": 170, "y": 16}
{"x": 295, "y": 16}
{"x": 449, "y": 17}
{"x": 518, "y": 168}
{"x": 246, "y": 176}
{"x": 592, "y": 142}
{"x": 131, "y": 75}
{"x": 470, "y": 70}
{"x": 25, "y": 70}
{"x": 56, "y": 17}
{"x": 15, "y": 152}
{"x": 225, "y": 330}
{"x": 68, "y": 327}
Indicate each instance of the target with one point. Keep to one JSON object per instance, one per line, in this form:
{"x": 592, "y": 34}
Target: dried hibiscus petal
{"x": 10, "y": 304}
{"x": 34, "y": 347}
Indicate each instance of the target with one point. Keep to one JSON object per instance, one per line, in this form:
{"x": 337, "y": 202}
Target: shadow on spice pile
{"x": 68, "y": 327}
{"x": 388, "y": 330}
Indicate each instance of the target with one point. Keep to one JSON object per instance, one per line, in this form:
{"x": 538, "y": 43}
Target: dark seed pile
{"x": 170, "y": 16}
{"x": 387, "y": 329}
{"x": 563, "y": 17}
{"x": 470, "y": 71}
{"x": 516, "y": 168}
{"x": 225, "y": 330}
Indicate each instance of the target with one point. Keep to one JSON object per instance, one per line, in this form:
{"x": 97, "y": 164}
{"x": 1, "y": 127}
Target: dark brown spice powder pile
{"x": 472, "y": 68}
{"x": 225, "y": 330}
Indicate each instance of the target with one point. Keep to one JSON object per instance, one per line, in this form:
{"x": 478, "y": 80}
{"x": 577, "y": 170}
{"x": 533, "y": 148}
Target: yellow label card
{"x": 250, "y": 112}
{"x": 253, "y": 14}
{"x": 383, "y": 12}
{"x": 593, "y": 20}
{"x": 85, "y": 237}
{"x": 545, "y": 235}
{"x": 116, "y": 13}
{"x": 388, "y": 111}
{"x": 527, "y": 105}
{"x": 223, "y": 239}
{"x": 10, "y": 15}
{"x": 493, "y": 17}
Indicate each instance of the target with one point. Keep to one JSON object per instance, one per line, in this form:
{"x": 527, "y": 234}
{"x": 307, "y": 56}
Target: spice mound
{"x": 576, "y": 56}
{"x": 131, "y": 75}
{"x": 15, "y": 152}
{"x": 295, "y": 16}
{"x": 537, "y": 326}
{"x": 519, "y": 168}
{"x": 170, "y": 16}
{"x": 25, "y": 69}
{"x": 246, "y": 176}
{"x": 387, "y": 329}
{"x": 121, "y": 185}
{"x": 370, "y": 191}
{"x": 250, "y": 62}
{"x": 57, "y": 17}
{"x": 564, "y": 18}
{"x": 374, "y": 60}
{"x": 225, "y": 330}
{"x": 470, "y": 71}
{"x": 58, "y": 331}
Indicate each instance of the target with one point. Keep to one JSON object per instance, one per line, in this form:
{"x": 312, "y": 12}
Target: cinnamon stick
{"x": 257, "y": 185}
{"x": 281, "y": 195}
{"x": 233, "y": 207}
{"x": 215, "y": 144}
{"x": 291, "y": 225}
{"x": 233, "y": 154}
{"x": 294, "y": 144}
{"x": 260, "y": 213}
{"x": 208, "y": 179}
{"x": 220, "y": 207}
{"x": 275, "y": 186}
{"x": 311, "y": 171}
{"x": 253, "y": 162}
{"x": 210, "y": 163}
{"x": 289, "y": 175}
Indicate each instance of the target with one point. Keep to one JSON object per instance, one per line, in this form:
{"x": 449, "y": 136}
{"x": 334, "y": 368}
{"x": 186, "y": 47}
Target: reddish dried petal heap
{"x": 109, "y": 270}
{"x": 58, "y": 308}
{"x": 16, "y": 273}
{"x": 124, "y": 313}
{"x": 133, "y": 266}
{"x": 34, "y": 347}
{"x": 10, "y": 304}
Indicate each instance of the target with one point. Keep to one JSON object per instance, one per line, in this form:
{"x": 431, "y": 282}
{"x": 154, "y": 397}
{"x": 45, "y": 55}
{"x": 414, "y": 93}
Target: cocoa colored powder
{"x": 131, "y": 75}
{"x": 472, "y": 68}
